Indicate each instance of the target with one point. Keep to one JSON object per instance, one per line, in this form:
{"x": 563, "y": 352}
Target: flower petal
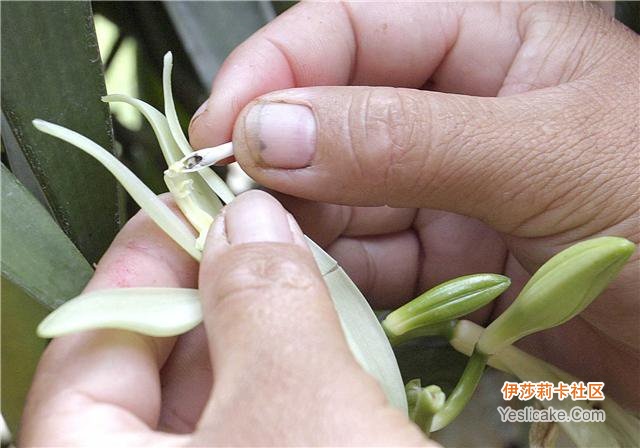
{"x": 150, "y": 311}
{"x": 211, "y": 178}
{"x": 146, "y": 199}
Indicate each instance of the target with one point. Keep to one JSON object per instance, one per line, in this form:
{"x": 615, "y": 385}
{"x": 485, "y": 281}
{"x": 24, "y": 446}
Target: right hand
{"x": 525, "y": 142}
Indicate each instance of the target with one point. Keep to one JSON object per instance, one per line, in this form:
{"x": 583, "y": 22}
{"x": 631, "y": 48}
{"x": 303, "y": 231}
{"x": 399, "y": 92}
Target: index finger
{"x": 104, "y": 385}
{"x": 456, "y": 48}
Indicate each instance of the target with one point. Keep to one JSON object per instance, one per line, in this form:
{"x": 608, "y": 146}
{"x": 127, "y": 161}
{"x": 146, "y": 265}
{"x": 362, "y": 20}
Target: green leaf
{"x": 36, "y": 255}
{"x": 19, "y": 164}
{"x": 56, "y": 74}
{"x": 21, "y": 348}
{"x": 209, "y": 31}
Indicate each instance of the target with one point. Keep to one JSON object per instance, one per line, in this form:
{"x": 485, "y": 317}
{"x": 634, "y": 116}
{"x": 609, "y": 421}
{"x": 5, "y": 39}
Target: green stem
{"x": 463, "y": 391}
{"x": 620, "y": 425}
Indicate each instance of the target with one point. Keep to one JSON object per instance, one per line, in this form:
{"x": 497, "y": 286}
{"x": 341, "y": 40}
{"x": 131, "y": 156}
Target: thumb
{"x": 503, "y": 160}
{"x": 270, "y": 321}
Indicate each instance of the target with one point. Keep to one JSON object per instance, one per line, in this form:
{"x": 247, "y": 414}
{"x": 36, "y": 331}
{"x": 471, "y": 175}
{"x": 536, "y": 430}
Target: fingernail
{"x": 282, "y": 135}
{"x": 202, "y": 109}
{"x": 255, "y": 217}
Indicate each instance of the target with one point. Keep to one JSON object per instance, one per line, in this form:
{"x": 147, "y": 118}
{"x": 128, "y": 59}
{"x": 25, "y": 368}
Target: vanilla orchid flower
{"x": 200, "y": 195}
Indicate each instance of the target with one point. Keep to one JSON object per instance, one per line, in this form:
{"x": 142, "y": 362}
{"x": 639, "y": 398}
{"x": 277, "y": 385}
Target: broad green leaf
{"x": 51, "y": 69}
{"x": 209, "y": 31}
{"x": 36, "y": 255}
{"x": 21, "y": 348}
{"x": 19, "y": 164}
{"x": 151, "y": 311}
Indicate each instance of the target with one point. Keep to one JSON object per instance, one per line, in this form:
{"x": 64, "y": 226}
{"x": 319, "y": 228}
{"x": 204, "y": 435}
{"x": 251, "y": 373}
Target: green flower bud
{"x": 446, "y": 301}
{"x": 563, "y": 287}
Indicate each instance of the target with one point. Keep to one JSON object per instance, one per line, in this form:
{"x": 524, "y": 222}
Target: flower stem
{"x": 463, "y": 391}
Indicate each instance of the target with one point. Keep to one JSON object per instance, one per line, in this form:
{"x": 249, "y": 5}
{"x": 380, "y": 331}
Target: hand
{"x": 281, "y": 368}
{"x": 505, "y": 133}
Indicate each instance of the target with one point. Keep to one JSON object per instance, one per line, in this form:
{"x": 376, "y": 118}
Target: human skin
{"x": 283, "y": 374}
{"x": 497, "y": 135}
{"x": 525, "y": 142}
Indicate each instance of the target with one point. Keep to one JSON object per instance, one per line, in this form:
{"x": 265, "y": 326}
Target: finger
{"x": 478, "y": 157}
{"x": 186, "y": 383}
{"x": 385, "y": 268}
{"x": 259, "y": 286}
{"x": 324, "y": 222}
{"x": 454, "y": 246}
{"x": 104, "y": 385}
{"x": 392, "y": 269}
{"x": 372, "y": 146}
{"x": 367, "y": 44}
{"x": 273, "y": 332}
{"x": 320, "y": 221}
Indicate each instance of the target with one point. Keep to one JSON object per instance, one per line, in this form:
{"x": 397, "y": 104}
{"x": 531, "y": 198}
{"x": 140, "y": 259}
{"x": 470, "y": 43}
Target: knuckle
{"x": 572, "y": 40}
{"x": 581, "y": 176}
{"x": 408, "y": 159}
{"x": 387, "y": 128}
{"x": 265, "y": 270}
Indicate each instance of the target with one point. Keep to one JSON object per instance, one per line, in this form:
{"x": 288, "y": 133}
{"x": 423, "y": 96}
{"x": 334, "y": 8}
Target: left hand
{"x": 270, "y": 345}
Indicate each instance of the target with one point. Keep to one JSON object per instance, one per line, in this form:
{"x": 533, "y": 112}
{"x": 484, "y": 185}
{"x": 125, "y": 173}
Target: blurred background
{"x": 60, "y": 209}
